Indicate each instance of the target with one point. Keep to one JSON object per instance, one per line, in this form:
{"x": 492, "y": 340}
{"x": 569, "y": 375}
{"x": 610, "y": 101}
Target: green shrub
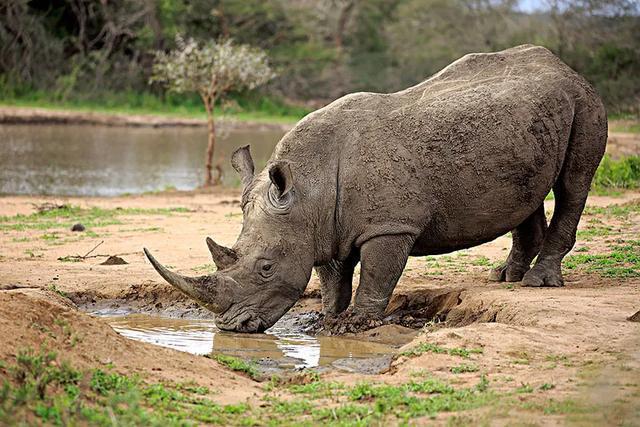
{"x": 623, "y": 173}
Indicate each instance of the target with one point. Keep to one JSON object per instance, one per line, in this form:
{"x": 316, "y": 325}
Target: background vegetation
{"x": 86, "y": 51}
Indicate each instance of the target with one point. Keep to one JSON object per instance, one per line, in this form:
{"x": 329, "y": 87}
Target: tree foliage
{"x": 321, "y": 48}
{"x": 211, "y": 69}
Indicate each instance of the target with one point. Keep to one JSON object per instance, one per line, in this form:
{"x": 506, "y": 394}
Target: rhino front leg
{"x": 335, "y": 284}
{"x": 382, "y": 260}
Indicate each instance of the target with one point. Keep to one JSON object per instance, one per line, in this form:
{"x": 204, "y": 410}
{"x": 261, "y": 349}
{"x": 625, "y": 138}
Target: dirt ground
{"x": 571, "y": 344}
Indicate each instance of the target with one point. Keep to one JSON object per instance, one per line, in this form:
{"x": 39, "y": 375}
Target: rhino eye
{"x": 266, "y": 268}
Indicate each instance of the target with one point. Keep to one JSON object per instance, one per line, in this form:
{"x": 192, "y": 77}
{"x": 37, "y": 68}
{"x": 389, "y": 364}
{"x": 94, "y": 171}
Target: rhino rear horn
{"x": 243, "y": 163}
{"x": 222, "y": 257}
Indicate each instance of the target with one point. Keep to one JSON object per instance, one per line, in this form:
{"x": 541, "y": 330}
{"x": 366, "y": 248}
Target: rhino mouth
{"x": 243, "y": 321}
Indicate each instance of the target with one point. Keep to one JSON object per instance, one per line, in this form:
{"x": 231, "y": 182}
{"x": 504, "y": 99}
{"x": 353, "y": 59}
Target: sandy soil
{"x": 576, "y": 338}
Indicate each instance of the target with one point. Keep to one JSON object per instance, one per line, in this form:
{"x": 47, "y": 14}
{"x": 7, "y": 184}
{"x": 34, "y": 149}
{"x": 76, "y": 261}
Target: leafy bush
{"x": 623, "y": 173}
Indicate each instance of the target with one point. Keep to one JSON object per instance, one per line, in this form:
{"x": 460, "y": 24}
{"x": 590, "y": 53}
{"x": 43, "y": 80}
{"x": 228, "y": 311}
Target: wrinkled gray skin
{"x": 453, "y": 162}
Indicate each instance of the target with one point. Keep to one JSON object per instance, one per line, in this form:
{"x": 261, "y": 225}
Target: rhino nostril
{"x": 250, "y": 324}
{"x": 255, "y": 325}
{"x": 241, "y": 320}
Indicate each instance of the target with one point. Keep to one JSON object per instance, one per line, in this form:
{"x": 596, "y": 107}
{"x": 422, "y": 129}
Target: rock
{"x": 78, "y": 227}
{"x": 635, "y": 317}
{"x": 114, "y": 260}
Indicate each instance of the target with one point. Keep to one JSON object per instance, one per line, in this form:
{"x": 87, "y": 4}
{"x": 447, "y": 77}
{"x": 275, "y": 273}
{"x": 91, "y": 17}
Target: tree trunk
{"x": 343, "y": 19}
{"x": 208, "y": 104}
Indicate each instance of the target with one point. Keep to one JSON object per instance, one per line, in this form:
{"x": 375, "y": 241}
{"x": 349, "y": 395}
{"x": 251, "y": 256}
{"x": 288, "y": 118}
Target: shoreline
{"x": 14, "y": 115}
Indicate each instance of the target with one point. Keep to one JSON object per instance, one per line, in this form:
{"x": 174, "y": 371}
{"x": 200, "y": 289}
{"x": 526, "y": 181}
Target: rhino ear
{"x": 281, "y": 177}
{"x": 243, "y": 163}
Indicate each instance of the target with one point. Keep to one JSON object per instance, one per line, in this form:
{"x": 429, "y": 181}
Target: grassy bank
{"x": 40, "y": 388}
{"x": 615, "y": 175}
{"x": 627, "y": 123}
{"x": 252, "y": 109}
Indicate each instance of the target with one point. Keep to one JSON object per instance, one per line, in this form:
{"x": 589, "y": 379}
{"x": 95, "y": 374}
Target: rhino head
{"x": 267, "y": 270}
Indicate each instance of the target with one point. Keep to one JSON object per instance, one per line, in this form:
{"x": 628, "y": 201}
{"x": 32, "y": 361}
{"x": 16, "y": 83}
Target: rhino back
{"x": 484, "y": 139}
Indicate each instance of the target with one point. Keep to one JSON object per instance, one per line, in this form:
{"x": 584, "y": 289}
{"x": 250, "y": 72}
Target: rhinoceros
{"x": 455, "y": 161}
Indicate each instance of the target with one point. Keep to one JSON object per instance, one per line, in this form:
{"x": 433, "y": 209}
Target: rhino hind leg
{"x": 586, "y": 148}
{"x": 335, "y": 284}
{"x": 527, "y": 241}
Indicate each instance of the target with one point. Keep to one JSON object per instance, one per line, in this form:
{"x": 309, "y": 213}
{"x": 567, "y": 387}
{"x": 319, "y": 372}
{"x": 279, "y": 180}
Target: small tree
{"x": 211, "y": 70}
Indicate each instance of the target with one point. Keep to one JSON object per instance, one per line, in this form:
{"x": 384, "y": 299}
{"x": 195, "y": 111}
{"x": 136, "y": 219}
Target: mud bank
{"x": 547, "y": 356}
{"x": 47, "y": 320}
{"x": 27, "y": 115}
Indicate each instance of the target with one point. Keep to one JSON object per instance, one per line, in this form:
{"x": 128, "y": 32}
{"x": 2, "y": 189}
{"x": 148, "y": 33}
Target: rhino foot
{"x": 543, "y": 275}
{"x": 350, "y": 321}
{"x": 508, "y": 272}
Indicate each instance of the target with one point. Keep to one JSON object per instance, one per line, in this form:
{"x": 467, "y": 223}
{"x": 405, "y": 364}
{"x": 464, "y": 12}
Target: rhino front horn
{"x": 209, "y": 291}
{"x": 222, "y": 257}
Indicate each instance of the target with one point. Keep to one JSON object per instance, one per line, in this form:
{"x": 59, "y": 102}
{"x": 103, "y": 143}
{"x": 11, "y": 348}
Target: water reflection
{"x": 105, "y": 161}
{"x": 202, "y": 337}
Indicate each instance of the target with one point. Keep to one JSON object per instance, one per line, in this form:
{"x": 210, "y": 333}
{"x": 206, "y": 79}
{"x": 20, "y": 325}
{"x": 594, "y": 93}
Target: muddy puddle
{"x": 281, "y": 347}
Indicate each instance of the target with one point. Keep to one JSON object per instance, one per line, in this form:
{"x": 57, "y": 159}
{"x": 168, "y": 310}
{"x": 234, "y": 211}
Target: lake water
{"x": 85, "y": 160}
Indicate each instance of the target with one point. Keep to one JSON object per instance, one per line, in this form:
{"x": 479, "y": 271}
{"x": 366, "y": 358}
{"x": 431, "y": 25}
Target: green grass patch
{"x": 591, "y": 232}
{"x": 458, "y": 262}
{"x": 558, "y": 358}
{"x": 617, "y": 211}
{"x": 464, "y": 368}
{"x": 623, "y": 261}
{"x": 54, "y": 288}
{"x": 481, "y": 261}
{"x": 250, "y": 108}
{"x": 559, "y": 407}
{"x": 379, "y": 403}
{"x": 32, "y": 254}
{"x": 433, "y": 348}
{"x": 237, "y": 364}
{"x": 41, "y": 389}
{"x": 620, "y": 174}
{"x": 50, "y": 236}
{"x": 630, "y": 125}
{"x": 65, "y": 216}
{"x": 524, "y": 388}
{"x": 613, "y": 176}
{"x": 317, "y": 389}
